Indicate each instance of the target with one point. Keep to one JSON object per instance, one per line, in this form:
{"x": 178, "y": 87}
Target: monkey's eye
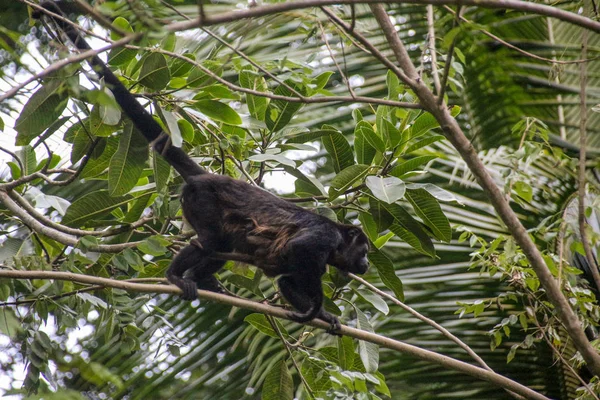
{"x": 352, "y": 232}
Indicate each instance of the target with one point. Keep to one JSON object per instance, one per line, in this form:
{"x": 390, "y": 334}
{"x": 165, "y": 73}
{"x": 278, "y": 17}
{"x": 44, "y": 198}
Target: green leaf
{"x": 375, "y": 300}
{"x": 382, "y": 240}
{"x": 121, "y": 55}
{"x": 96, "y": 166}
{"x": 409, "y": 230}
{"x": 280, "y": 112}
{"x": 365, "y": 152}
{"x": 389, "y": 190}
{"x": 309, "y": 181}
{"x": 370, "y": 135}
{"x": 430, "y": 212}
{"x": 154, "y": 245}
{"x": 128, "y": 162}
{"x": 218, "y": 111}
{"x": 92, "y": 205}
{"x": 368, "y": 224}
{"x": 345, "y": 346}
{"x": 369, "y": 352}
{"x": 27, "y": 156}
{"x": 180, "y": 67}
{"x": 523, "y": 190}
{"x": 423, "y": 124}
{"x": 382, "y": 218}
{"x": 259, "y": 321}
{"x": 304, "y": 137}
{"x": 321, "y": 80}
{"x": 387, "y": 274}
{"x": 154, "y": 73}
{"x": 339, "y": 149}
{"x": 423, "y": 142}
{"x": 435, "y": 191}
{"x": 278, "y": 383}
{"x": 273, "y": 157}
{"x": 162, "y": 171}
{"x": 257, "y": 105}
{"x": 345, "y": 179}
{"x": 42, "y": 109}
{"x": 410, "y": 165}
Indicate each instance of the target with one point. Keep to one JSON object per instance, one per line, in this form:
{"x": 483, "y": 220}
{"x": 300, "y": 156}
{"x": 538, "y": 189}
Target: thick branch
{"x": 383, "y": 341}
{"x": 63, "y": 238}
{"x": 456, "y": 136}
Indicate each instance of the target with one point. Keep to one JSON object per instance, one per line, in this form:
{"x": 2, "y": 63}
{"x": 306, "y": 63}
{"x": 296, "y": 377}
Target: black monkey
{"x": 230, "y": 215}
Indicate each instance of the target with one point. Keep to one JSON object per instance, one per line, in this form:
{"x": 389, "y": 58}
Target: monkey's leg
{"x": 188, "y": 258}
{"x": 306, "y": 296}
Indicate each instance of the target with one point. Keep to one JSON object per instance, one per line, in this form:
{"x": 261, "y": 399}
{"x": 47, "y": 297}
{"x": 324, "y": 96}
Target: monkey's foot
{"x": 333, "y": 321}
{"x": 190, "y": 290}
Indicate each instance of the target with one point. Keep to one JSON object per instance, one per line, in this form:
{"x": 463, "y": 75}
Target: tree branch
{"x": 278, "y": 312}
{"x": 456, "y": 136}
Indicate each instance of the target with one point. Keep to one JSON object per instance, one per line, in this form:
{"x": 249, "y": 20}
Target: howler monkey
{"x": 230, "y": 215}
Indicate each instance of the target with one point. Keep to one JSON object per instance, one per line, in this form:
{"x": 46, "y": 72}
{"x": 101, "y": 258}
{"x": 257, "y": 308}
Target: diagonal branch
{"x": 382, "y": 341}
{"x": 456, "y": 136}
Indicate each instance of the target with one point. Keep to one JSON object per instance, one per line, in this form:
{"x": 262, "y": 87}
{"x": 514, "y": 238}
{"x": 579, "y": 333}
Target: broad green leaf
{"x": 42, "y": 109}
{"x": 154, "y": 245}
{"x": 180, "y": 67}
{"x": 198, "y": 77}
{"x": 162, "y": 171}
{"x": 128, "y": 162}
{"x": 382, "y": 240}
{"x": 259, "y": 321}
{"x": 368, "y": 225}
{"x": 98, "y": 165}
{"x": 321, "y": 80}
{"x": 280, "y": 112}
{"x": 218, "y": 111}
{"x": 409, "y": 229}
{"x": 435, "y": 191}
{"x": 278, "y": 383}
{"x": 345, "y": 347}
{"x": 154, "y": 73}
{"x": 389, "y": 189}
{"x": 304, "y": 137}
{"x": 365, "y": 152}
{"x": 426, "y": 121}
{"x": 375, "y": 300}
{"x": 369, "y": 352}
{"x": 380, "y": 215}
{"x": 345, "y": 179}
{"x": 257, "y": 105}
{"x": 306, "y": 179}
{"x": 430, "y": 212}
{"x": 423, "y": 142}
{"x": 523, "y": 190}
{"x": 121, "y": 56}
{"x": 387, "y": 274}
{"x": 410, "y": 165}
{"x": 171, "y": 124}
{"x": 92, "y": 205}
{"x": 27, "y": 156}
{"x": 393, "y": 84}
{"x": 136, "y": 209}
{"x": 110, "y": 114}
{"x": 370, "y": 135}
{"x": 273, "y": 157}
{"x": 391, "y": 133}
{"x": 339, "y": 149}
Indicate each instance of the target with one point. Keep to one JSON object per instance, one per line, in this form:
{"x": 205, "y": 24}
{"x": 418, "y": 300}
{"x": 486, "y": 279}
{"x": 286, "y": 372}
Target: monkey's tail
{"x": 142, "y": 120}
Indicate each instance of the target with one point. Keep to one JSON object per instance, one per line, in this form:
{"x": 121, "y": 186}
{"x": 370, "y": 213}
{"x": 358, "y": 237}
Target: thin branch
{"x": 72, "y": 231}
{"x": 461, "y": 143}
{"x": 63, "y": 238}
{"x": 552, "y": 60}
{"x": 432, "y": 50}
{"x": 581, "y": 180}
{"x": 380, "y": 340}
{"x": 448, "y": 60}
{"x": 428, "y": 321}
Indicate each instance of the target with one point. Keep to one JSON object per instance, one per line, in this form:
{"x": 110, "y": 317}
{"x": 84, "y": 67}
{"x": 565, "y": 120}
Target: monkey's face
{"x": 351, "y": 255}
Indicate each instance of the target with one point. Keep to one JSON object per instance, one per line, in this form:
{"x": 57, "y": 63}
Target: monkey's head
{"x": 351, "y": 254}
